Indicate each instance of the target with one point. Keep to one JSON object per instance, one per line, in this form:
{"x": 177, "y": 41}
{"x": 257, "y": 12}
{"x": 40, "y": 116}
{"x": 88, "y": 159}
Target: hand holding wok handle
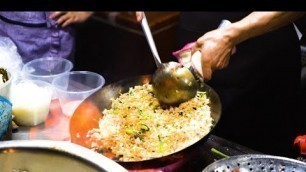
{"x": 192, "y": 60}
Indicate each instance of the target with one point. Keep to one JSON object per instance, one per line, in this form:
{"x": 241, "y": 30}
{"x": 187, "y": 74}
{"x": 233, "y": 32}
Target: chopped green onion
{"x": 215, "y": 151}
{"x": 144, "y": 127}
{"x": 139, "y": 111}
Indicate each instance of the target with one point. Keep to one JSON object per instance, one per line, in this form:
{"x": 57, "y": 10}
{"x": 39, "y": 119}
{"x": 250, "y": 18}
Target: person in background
{"x": 40, "y": 34}
{"x": 259, "y": 82}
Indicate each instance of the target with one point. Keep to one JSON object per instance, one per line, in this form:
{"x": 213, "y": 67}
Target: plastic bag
{"x": 10, "y": 58}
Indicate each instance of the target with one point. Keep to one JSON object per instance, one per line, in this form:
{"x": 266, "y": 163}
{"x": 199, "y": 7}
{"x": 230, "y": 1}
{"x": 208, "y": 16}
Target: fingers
{"x": 68, "y": 22}
{"x": 207, "y": 72}
{"x": 64, "y": 18}
{"x": 56, "y": 14}
{"x": 206, "y": 68}
{"x": 202, "y": 64}
{"x": 139, "y": 16}
{"x": 67, "y": 18}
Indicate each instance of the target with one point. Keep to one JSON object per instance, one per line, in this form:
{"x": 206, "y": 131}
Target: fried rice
{"x": 137, "y": 127}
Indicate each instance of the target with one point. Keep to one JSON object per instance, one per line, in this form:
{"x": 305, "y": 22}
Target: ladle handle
{"x": 147, "y": 31}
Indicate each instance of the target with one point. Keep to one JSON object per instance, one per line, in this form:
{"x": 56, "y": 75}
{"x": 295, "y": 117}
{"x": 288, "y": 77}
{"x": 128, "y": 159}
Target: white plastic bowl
{"x": 46, "y": 69}
{"x": 73, "y": 87}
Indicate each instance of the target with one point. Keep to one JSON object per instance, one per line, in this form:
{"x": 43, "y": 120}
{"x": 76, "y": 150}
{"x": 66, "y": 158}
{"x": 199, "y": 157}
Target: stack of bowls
{"x": 46, "y": 69}
{"x": 69, "y": 87}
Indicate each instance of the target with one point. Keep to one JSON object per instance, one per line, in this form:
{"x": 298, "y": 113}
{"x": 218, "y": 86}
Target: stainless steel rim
{"x": 69, "y": 148}
{"x": 257, "y": 162}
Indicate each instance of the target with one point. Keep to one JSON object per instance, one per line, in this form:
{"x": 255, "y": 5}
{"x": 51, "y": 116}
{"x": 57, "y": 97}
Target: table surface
{"x": 56, "y": 127}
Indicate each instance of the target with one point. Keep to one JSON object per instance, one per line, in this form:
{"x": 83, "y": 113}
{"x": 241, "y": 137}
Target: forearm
{"x": 258, "y": 23}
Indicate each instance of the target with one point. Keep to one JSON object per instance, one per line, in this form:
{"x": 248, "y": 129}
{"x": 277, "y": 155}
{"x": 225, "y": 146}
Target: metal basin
{"x": 51, "y": 156}
{"x": 256, "y": 162}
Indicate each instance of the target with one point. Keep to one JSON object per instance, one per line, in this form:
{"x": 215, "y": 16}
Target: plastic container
{"x": 72, "y": 88}
{"x": 31, "y": 101}
{"x": 6, "y": 86}
{"x": 5, "y": 119}
{"x": 46, "y": 69}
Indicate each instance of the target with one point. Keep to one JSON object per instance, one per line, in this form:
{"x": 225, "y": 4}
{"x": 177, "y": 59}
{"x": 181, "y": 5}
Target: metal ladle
{"x": 172, "y": 82}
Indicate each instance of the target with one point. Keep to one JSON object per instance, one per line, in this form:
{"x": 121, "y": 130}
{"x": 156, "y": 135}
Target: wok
{"x": 101, "y": 99}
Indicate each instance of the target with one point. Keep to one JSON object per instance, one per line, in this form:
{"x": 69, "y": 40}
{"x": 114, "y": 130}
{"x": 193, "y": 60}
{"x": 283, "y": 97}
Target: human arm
{"x": 216, "y": 46}
{"x": 67, "y": 18}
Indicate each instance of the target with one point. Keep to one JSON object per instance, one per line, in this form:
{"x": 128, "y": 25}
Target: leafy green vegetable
{"x": 4, "y": 74}
{"x": 144, "y": 127}
{"x": 215, "y": 151}
{"x": 161, "y": 144}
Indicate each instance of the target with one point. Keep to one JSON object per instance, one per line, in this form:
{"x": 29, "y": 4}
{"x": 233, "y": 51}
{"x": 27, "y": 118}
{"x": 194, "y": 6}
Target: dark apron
{"x": 260, "y": 88}
{"x": 36, "y": 36}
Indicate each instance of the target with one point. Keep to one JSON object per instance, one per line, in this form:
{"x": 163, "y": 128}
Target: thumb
{"x": 196, "y": 63}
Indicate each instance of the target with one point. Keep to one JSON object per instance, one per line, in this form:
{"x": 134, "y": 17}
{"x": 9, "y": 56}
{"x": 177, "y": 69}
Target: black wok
{"x": 101, "y": 99}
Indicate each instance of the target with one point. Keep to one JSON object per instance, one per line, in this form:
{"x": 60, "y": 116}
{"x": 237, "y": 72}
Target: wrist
{"x": 235, "y": 34}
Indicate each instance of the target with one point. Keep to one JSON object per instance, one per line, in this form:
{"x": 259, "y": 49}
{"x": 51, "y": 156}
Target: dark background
{"x": 113, "y": 44}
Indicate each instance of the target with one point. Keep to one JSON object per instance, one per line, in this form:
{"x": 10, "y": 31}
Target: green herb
{"x": 134, "y": 133}
{"x": 215, "y": 151}
{"x": 116, "y": 111}
{"x": 139, "y": 111}
{"x": 161, "y": 145}
{"x": 130, "y": 91}
{"x": 144, "y": 127}
{"x": 131, "y": 131}
{"x": 4, "y": 74}
{"x": 201, "y": 94}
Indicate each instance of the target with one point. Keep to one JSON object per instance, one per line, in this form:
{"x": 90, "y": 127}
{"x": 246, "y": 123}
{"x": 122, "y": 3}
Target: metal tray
{"x": 256, "y": 163}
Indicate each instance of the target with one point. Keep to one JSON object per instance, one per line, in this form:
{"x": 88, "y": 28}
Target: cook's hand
{"x": 64, "y": 18}
{"x": 215, "y": 49}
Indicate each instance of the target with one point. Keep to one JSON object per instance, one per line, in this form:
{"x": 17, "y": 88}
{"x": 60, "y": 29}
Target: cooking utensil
{"x": 51, "y": 156}
{"x": 256, "y": 162}
{"x": 172, "y": 82}
{"x": 102, "y": 100}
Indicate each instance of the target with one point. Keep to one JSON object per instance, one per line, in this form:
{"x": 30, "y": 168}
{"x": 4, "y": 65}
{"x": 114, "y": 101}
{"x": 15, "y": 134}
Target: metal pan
{"x": 256, "y": 162}
{"x": 101, "y": 99}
